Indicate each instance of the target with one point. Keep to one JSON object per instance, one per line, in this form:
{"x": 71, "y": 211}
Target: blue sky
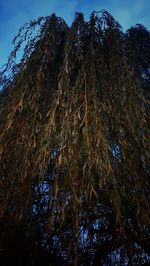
{"x": 13, "y": 13}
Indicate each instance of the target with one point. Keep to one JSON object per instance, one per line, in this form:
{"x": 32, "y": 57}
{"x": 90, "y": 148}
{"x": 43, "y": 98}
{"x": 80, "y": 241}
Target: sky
{"x": 13, "y": 14}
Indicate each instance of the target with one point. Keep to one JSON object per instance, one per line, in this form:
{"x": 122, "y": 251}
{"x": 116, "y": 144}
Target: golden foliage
{"x": 75, "y": 93}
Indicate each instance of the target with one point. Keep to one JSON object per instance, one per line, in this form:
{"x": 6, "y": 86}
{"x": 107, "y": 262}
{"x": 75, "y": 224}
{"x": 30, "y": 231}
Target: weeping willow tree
{"x": 74, "y": 140}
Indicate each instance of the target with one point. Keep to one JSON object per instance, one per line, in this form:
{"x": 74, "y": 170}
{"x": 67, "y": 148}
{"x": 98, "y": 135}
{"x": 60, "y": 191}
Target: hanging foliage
{"x": 73, "y": 129}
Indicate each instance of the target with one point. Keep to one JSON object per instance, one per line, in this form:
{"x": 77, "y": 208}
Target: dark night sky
{"x": 13, "y": 13}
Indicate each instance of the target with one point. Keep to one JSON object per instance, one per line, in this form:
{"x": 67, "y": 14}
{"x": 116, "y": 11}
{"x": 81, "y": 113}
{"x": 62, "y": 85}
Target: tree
{"x": 74, "y": 144}
{"x": 138, "y": 47}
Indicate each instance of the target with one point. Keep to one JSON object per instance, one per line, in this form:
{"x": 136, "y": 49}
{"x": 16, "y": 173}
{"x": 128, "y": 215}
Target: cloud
{"x": 129, "y": 12}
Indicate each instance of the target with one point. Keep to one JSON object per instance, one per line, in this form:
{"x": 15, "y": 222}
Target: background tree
{"x": 74, "y": 144}
{"x": 138, "y": 50}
